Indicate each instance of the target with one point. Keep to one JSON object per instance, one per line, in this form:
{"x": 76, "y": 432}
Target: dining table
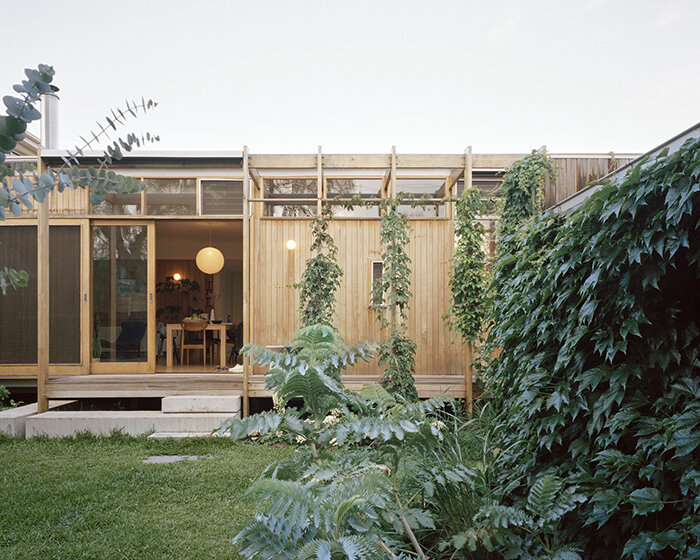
{"x": 172, "y": 328}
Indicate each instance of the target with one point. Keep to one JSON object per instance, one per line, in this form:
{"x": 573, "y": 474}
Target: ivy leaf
{"x": 646, "y": 500}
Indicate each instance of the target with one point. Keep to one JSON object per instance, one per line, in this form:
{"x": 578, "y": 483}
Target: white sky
{"x": 359, "y": 76}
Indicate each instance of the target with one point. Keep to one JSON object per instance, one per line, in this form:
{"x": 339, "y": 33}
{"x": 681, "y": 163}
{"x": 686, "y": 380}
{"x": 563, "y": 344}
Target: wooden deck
{"x": 167, "y": 384}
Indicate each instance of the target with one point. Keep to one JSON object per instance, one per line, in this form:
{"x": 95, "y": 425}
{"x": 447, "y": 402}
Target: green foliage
{"x": 522, "y": 194}
{"x": 356, "y": 489}
{"x": 321, "y": 278}
{"x": 19, "y": 186}
{"x": 596, "y": 316}
{"x": 390, "y": 297}
{"x": 11, "y": 278}
{"x": 5, "y": 400}
{"x": 467, "y": 282}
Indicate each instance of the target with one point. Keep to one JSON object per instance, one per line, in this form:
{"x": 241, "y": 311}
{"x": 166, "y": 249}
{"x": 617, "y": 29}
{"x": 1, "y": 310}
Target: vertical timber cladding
{"x": 276, "y": 302}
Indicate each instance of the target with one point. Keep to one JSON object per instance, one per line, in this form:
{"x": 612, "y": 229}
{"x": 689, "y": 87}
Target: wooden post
{"x": 392, "y": 183}
{"x": 468, "y": 373}
{"x": 42, "y": 259}
{"x": 395, "y": 317}
{"x": 319, "y": 181}
{"x": 246, "y": 279}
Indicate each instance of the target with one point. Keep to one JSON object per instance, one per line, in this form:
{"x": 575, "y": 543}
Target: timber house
{"x": 123, "y": 270}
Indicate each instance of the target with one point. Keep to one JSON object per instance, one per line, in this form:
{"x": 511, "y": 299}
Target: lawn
{"x": 94, "y": 498}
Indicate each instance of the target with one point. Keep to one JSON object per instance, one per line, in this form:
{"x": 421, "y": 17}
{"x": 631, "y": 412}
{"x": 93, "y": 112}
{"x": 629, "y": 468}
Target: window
{"x": 377, "y": 272}
{"x": 120, "y": 205}
{"x": 222, "y": 198}
{"x": 171, "y": 197}
{"x": 417, "y": 188}
{"x": 368, "y": 189}
{"x": 289, "y": 189}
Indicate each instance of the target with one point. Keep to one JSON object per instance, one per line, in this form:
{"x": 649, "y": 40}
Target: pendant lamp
{"x": 210, "y": 260}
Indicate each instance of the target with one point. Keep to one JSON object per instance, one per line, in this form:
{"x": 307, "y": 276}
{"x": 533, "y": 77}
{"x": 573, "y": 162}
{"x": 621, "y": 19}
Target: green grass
{"x": 94, "y": 498}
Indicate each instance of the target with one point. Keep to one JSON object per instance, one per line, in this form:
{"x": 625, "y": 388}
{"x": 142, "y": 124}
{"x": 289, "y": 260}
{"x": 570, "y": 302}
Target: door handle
{"x": 150, "y": 297}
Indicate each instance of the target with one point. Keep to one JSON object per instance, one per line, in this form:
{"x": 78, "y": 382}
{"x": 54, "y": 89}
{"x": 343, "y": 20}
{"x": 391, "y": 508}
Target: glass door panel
{"x": 121, "y": 297}
{"x": 18, "y": 308}
{"x": 64, "y": 294}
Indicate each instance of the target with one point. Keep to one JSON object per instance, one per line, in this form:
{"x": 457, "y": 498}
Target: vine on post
{"x": 523, "y": 194}
{"x": 390, "y": 296}
{"x": 467, "y": 282}
{"x": 321, "y": 278}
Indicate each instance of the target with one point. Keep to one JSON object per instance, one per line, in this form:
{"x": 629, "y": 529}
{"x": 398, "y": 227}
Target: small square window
{"x": 376, "y": 298}
{"x": 222, "y": 198}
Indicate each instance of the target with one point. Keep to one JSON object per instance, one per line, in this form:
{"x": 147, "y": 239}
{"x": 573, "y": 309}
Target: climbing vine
{"x": 522, "y": 194}
{"x": 321, "y": 278}
{"x": 467, "y": 282}
{"x": 598, "y": 379}
{"x": 390, "y": 297}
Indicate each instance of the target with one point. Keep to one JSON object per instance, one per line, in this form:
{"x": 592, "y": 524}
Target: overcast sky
{"x": 361, "y": 76}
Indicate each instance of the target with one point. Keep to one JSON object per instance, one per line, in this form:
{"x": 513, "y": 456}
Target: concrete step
{"x": 201, "y": 403}
{"x": 12, "y": 420}
{"x": 60, "y": 424}
{"x": 181, "y": 435}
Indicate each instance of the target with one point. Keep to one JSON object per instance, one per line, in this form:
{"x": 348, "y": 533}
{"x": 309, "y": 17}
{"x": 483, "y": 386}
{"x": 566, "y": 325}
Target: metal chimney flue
{"x": 49, "y": 119}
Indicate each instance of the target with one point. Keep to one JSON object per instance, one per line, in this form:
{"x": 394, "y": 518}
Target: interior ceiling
{"x": 200, "y": 229}
{"x": 181, "y": 239}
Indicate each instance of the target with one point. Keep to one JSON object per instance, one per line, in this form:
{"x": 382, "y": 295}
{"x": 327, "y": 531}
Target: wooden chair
{"x": 192, "y": 341}
{"x": 234, "y": 338}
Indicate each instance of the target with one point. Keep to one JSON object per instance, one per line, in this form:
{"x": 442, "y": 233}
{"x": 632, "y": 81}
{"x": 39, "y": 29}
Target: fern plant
{"x": 530, "y": 532}
{"x": 360, "y": 502}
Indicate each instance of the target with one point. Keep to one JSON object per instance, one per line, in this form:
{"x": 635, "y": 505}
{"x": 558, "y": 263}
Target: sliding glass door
{"x": 123, "y": 309}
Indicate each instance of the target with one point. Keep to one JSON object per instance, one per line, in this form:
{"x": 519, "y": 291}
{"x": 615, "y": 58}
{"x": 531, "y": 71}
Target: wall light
{"x": 177, "y": 277}
{"x": 291, "y": 244}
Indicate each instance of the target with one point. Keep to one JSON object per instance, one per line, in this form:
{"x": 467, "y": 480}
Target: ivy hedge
{"x": 598, "y": 377}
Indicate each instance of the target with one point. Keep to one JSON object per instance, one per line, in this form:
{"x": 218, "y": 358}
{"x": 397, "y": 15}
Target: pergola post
{"x": 469, "y": 355}
{"x": 246, "y": 280}
{"x": 42, "y": 259}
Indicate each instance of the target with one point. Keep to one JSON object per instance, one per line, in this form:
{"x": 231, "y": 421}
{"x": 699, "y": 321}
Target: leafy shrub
{"x": 597, "y": 380}
{"x": 361, "y": 487}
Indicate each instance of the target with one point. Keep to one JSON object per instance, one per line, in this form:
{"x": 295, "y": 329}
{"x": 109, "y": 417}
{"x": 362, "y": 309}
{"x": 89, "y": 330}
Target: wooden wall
{"x": 70, "y": 202}
{"x": 574, "y": 173}
{"x": 275, "y": 302}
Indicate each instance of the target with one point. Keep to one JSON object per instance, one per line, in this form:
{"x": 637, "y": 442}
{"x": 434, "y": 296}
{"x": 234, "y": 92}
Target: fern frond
{"x": 504, "y": 516}
{"x": 567, "y": 552}
{"x": 379, "y": 396}
{"x": 288, "y": 503}
{"x": 361, "y": 547}
{"x": 261, "y": 423}
{"x": 540, "y": 500}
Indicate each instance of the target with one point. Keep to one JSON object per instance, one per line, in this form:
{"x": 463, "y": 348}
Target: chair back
{"x": 194, "y": 326}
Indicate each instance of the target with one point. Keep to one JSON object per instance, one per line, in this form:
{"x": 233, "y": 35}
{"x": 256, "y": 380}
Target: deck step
{"x": 60, "y": 424}
{"x": 181, "y": 435}
{"x": 201, "y": 403}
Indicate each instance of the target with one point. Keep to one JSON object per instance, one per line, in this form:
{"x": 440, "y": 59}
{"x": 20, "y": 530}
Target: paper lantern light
{"x": 210, "y": 260}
